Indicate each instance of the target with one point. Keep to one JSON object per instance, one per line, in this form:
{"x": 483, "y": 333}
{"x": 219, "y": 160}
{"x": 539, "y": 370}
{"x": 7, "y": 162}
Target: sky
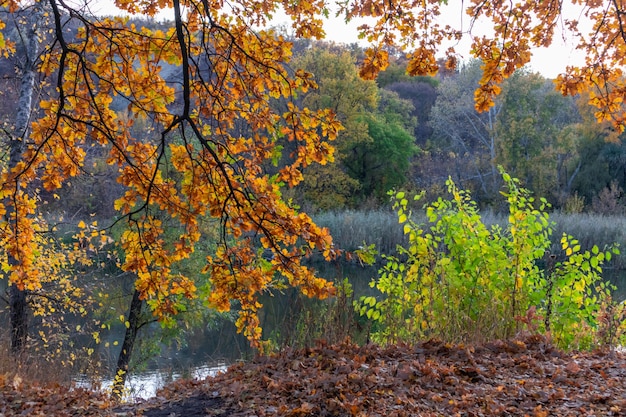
{"x": 548, "y": 61}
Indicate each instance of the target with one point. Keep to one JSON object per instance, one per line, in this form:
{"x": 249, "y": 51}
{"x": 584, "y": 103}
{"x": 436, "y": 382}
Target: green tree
{"x": 422, "y": 94}
{"x": 339, "y": 88}
{"x": 382, "y": 163}
{"x": 600, "y": 155}
{"x": 374, "y": 150}
{"x": 534, "y": 129}
{"x": 531, "y": 131}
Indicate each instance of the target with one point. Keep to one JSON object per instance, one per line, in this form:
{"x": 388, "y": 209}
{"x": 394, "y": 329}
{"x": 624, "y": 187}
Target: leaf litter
{"x": 520, "y": 377}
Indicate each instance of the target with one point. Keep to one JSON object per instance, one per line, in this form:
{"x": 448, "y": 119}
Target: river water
{"x": 145, "y": 385}
{"x": 209, "y": 350}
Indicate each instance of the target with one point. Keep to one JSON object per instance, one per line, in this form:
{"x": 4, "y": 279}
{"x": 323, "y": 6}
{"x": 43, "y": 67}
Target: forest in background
{"x": 413, "y": 133}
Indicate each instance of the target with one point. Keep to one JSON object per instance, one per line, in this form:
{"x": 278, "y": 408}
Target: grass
{"x": 352, "y": 229}
{"x": 31, "y": 366}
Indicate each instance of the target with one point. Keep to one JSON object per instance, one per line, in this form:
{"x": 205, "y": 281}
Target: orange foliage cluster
{"x": 213, "y": 131}
{"x": 200, "y": 162}
{"x": 516, "y": 29}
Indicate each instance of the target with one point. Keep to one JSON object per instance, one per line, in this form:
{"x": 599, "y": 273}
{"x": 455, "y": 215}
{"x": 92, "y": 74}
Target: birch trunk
{"x": 30, "y": 43}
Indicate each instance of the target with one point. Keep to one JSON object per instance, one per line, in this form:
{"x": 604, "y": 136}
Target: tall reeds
{"x": 352, "y": 229}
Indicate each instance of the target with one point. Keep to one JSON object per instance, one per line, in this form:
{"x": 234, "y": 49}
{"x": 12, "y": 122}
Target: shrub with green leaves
{"x": 460, "y": 280}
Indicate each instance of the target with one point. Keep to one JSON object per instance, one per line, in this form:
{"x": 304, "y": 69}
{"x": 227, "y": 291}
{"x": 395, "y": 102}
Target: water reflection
{"x": 145, "y": 385}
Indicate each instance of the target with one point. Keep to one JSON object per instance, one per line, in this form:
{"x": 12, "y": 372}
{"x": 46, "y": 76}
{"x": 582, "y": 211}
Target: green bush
{"x": 461, "y": 280}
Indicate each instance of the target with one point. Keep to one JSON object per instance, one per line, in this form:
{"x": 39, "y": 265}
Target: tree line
{"x": 414, "y": 132}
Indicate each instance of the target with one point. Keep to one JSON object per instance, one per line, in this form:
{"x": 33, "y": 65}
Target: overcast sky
{"x": 548, "y": 61}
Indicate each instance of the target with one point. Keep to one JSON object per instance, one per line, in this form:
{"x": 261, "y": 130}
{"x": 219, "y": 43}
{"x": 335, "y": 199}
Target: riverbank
{"x": 513, "y": 378}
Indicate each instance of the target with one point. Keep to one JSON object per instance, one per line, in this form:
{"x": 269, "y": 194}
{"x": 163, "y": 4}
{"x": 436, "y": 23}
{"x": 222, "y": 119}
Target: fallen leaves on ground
{"x": 22, "y": 398}
{"x": 525, "y": 377}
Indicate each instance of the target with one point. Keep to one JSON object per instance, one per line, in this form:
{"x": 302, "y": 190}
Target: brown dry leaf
{"x": 572, "y": 368}
{"x": 304, "y": 410}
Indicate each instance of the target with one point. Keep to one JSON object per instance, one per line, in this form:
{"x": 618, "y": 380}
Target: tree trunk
{"x": 17, "y": 297}
{"x": 123, "y": 360}
{"x": 19, "y": 319}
